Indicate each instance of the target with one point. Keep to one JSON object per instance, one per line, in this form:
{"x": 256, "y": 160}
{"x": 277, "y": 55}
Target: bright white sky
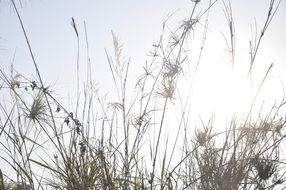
{"x": 138, "y": 25}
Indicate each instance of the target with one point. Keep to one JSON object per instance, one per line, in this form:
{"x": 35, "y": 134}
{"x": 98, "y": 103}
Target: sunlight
{"x": 226, "y": 91}
{"x": 221, "y": 91}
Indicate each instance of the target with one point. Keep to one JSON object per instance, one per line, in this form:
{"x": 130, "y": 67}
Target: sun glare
{"x": 227, "y": 91}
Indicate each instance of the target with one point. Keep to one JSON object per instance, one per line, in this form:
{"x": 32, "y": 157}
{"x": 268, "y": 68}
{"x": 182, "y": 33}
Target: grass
{"x": 122, "y": 144}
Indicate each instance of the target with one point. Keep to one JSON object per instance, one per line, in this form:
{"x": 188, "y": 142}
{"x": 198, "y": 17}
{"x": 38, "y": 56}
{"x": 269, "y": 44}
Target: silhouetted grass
{"x": 122, "y": 144}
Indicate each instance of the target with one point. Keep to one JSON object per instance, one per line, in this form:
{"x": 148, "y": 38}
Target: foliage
{"x": 49, "y": 146}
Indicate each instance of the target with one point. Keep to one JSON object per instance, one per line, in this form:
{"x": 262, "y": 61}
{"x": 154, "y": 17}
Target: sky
{"x": 138, "y": 25}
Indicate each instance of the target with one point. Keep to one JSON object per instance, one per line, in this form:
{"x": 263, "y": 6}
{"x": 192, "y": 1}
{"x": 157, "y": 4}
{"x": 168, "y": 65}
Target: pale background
{"x": 220, "y": 89}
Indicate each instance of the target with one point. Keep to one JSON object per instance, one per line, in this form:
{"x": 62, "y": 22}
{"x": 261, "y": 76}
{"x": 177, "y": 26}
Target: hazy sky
{"x": 138, "y": 25}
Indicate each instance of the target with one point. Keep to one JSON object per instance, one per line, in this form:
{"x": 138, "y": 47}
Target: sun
{"x": 221, "y": 90}
{"x": 227, "y": 91}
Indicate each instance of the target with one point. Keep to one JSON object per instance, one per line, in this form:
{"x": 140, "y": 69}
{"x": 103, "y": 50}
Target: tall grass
{"x": 123, "y": 144}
